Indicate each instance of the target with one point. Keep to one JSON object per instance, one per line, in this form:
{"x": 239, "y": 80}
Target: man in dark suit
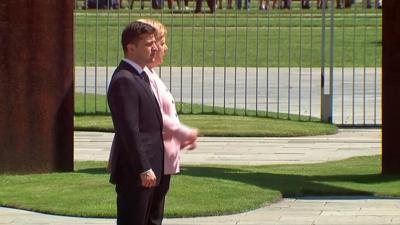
{"x": 138, "y": 150}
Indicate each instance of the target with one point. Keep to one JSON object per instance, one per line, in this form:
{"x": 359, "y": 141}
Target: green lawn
{"x": 199, "y": 190}
{"x": 230, "y": 38}
{"x": 224, "y": 126}
{"x": 239, "y": 123}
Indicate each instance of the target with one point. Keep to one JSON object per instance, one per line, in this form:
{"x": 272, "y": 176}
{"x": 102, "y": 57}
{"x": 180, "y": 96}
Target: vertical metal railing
{"x": 225, "y": 57}
{"x": 203, "y": 64}
{"x": 311, "y": 65}
{"x": 213, "y": 64}
{"x": 364, "y": 66}
{"x": 322, "y": 61}
{"x": 267, "y": 64}
{"x": 257, "y": 55}
{"x": 85, "y": 65}
{"x": 376, "y": 64}
{"x": 300, "y": 62}
{"x": 96, "y": 55}
{"x": 171, "y": 46}
{"x": 192, "y": 71}
{"x": 354, "y": 67}
{"x": 331, "y": 58}
{"x": 278, "y": 65}
{"x": 289, "y": 63}
{"x": 107, "y": 54}
{"x": 235, "y": 64}
{"x": 343, "y": 66}
{"x": 181, "y": 66}
{"x": 246, "y": 62}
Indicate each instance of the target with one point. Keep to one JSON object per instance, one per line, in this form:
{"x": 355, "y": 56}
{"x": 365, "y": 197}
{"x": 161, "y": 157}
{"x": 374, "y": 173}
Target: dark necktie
{"x": 145, "y": 77}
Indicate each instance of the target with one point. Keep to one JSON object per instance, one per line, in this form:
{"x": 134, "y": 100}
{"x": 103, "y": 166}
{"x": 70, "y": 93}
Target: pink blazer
{"x": 174, "y": 133}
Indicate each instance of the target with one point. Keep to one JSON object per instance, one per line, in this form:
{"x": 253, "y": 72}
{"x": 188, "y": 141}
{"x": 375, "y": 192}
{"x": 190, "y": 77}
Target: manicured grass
{"x": 224, "y": 126}
{"x": 199, "y": 190}
{"x": 237, "y": 38}
{"x": 214, "y": 124}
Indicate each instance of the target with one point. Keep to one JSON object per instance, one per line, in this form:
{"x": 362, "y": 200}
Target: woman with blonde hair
{"x": 176, "y": 136}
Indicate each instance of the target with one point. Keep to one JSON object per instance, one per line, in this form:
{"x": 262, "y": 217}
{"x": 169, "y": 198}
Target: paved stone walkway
{"x": 356, "y": 210}
{"x": 253, "y": 151}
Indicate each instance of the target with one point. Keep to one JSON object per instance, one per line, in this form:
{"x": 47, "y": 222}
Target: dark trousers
{"x": 157, "y": 208}
{"x": 239, "y": 4}
{"x": 305, "y": 4}
{"x": 287, "y": 4}
{"x": 210, "y": 3}
{"x": 157, "y": 4}
{"x": 170, "y": 2}
{"x": 133, "y": 204}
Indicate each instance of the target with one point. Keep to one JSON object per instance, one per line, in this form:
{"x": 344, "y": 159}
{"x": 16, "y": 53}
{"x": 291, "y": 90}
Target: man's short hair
{"x": 132, "y": 32}
{"x": 161, "y": 30}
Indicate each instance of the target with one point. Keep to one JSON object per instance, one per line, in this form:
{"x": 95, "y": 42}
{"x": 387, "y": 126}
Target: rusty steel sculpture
{"x": 36, "y": 86}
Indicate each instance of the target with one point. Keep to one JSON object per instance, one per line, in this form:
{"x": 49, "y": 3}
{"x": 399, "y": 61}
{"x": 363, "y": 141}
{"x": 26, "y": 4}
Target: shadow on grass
{"x": 94, "y": 171}
{"x": 289, "y": 185}
{"x": 292, "y": 185}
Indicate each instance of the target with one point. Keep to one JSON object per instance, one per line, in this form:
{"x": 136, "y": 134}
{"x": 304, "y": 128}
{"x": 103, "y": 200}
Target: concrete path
{"x": 355, "y": 210}
{"x": 300, "y": 211}
{"x": 253, "y": 151}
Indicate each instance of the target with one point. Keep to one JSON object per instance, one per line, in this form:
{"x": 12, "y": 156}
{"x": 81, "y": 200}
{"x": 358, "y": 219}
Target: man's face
{"x": 143, "y": 52}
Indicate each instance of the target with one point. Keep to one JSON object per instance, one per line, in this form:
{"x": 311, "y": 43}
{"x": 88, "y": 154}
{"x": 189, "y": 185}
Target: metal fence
{"x": 296, "y": 63}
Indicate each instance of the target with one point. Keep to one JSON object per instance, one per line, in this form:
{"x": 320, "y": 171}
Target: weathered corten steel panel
{"x": 391, "y": 87}
{"x": 36, "y": 86}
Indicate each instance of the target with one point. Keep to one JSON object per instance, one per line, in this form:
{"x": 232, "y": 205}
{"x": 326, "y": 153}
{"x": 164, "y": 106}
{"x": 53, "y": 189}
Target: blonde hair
{"x": 161, "y": 30}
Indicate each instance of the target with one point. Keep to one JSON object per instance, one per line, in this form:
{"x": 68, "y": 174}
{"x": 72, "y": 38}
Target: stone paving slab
{"x": 253, "y": 151}
{"x": 346, "y": 210}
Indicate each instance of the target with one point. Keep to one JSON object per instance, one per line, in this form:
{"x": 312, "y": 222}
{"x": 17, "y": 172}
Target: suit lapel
{"x": 151, "y": 94}
{"x": 125, "y": 66}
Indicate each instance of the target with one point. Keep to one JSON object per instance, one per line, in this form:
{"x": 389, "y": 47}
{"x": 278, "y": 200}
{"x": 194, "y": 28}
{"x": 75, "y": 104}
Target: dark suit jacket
{"x": 138, "y": 126}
